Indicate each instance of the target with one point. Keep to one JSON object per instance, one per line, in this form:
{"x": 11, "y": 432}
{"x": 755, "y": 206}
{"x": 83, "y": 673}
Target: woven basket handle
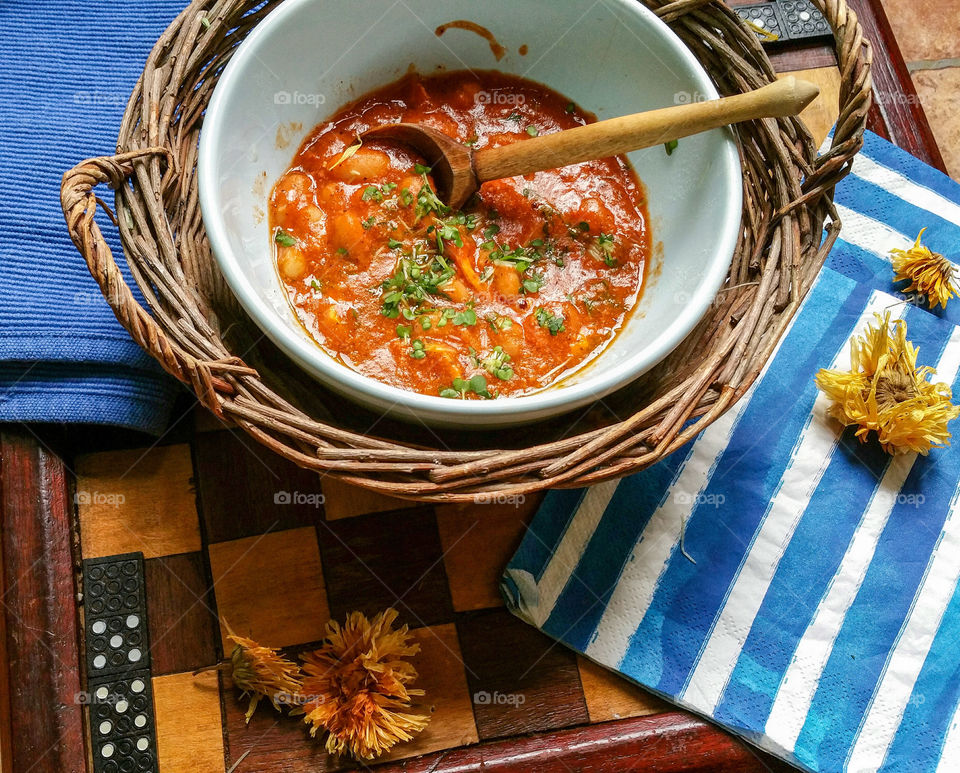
{"x": 79, "y": 208}
{"x": 855, "y": 61}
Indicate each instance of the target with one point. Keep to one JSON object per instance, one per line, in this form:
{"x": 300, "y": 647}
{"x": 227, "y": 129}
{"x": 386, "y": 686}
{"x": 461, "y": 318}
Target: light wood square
{"x": 137, "y": 499}
{"x": 821, "y": 114}
{"x": 610, "y": 696}
{"x": 189, "y": 733}
{"x": 341, "y": 500}
{"x": 270, "y": 587}
{"x": 442, "y": 675}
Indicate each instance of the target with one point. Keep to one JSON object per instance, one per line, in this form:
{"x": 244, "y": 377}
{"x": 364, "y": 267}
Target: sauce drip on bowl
{"x": 506, "y": 297}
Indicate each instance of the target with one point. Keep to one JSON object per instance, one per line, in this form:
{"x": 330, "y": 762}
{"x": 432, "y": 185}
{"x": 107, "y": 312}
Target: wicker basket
{"x": 197, "y": 331}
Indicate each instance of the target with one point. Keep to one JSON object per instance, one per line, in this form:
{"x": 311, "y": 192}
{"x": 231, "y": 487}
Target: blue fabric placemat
{"x": 66, "y": 71}
{"x": 775, "y": 575}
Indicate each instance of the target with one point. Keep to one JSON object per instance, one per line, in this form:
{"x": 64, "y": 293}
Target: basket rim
{"x": 787, "y": 206}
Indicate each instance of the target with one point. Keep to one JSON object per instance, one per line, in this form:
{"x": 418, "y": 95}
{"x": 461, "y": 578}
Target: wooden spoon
{"x": 459, "y": 171}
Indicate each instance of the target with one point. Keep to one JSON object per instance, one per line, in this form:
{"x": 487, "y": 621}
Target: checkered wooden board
{"x": 231, "y": 532}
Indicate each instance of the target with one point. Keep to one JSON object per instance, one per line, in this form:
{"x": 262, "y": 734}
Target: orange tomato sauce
{"x": 506, "y": 297}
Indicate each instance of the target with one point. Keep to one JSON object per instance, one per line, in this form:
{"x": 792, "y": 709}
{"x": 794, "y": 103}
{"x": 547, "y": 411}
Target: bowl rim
{"x": 311, "y": 357}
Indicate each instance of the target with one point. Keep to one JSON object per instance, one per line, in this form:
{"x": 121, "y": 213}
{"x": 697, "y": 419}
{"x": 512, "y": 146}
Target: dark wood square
{"x": 245, "y": 489}
{"x": 180, "y": 613}
{"x": 391, "y": 559}
{"x": 520, "y": 680}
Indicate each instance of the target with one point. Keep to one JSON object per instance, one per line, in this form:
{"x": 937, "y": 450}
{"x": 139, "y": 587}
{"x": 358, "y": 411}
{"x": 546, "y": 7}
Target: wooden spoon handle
{"x": 641, "y": 130}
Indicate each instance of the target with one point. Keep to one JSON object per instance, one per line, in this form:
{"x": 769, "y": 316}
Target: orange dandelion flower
{"x": 261, "y": 672}
{"x": 929, "y": 273}
{"x": 357, "y": 686}
{"x": 885, "y": 392}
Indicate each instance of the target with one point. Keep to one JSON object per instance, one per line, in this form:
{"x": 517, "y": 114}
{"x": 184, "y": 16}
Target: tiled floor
{"x": 928, "y": 32}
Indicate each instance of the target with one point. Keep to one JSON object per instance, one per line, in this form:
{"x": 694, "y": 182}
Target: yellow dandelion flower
{"x": 356, "y": 686}
{"x": 929, "y": 273}
{"x": 261, "y": 672}
{"x": 885, "y": 392}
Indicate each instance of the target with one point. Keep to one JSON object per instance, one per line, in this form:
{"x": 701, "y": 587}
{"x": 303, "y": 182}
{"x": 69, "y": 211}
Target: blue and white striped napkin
{"x": 775, "y": 575}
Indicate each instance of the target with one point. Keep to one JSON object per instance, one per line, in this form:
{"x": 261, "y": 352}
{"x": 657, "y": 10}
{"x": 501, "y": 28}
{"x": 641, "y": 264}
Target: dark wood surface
{"x": 666, "y": 743}
{"x": 40, "y": 716}
{"x": 6, "y": 750}
{"x": 178, "y": 601}
{"x": 45, "y": 723}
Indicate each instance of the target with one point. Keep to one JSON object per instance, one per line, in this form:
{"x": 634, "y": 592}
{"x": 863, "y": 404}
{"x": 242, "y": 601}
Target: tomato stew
{"x": 506, "y": 297}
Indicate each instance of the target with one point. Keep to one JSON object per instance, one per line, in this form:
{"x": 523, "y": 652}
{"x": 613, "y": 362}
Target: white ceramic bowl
{"x": 309, "y": 57}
